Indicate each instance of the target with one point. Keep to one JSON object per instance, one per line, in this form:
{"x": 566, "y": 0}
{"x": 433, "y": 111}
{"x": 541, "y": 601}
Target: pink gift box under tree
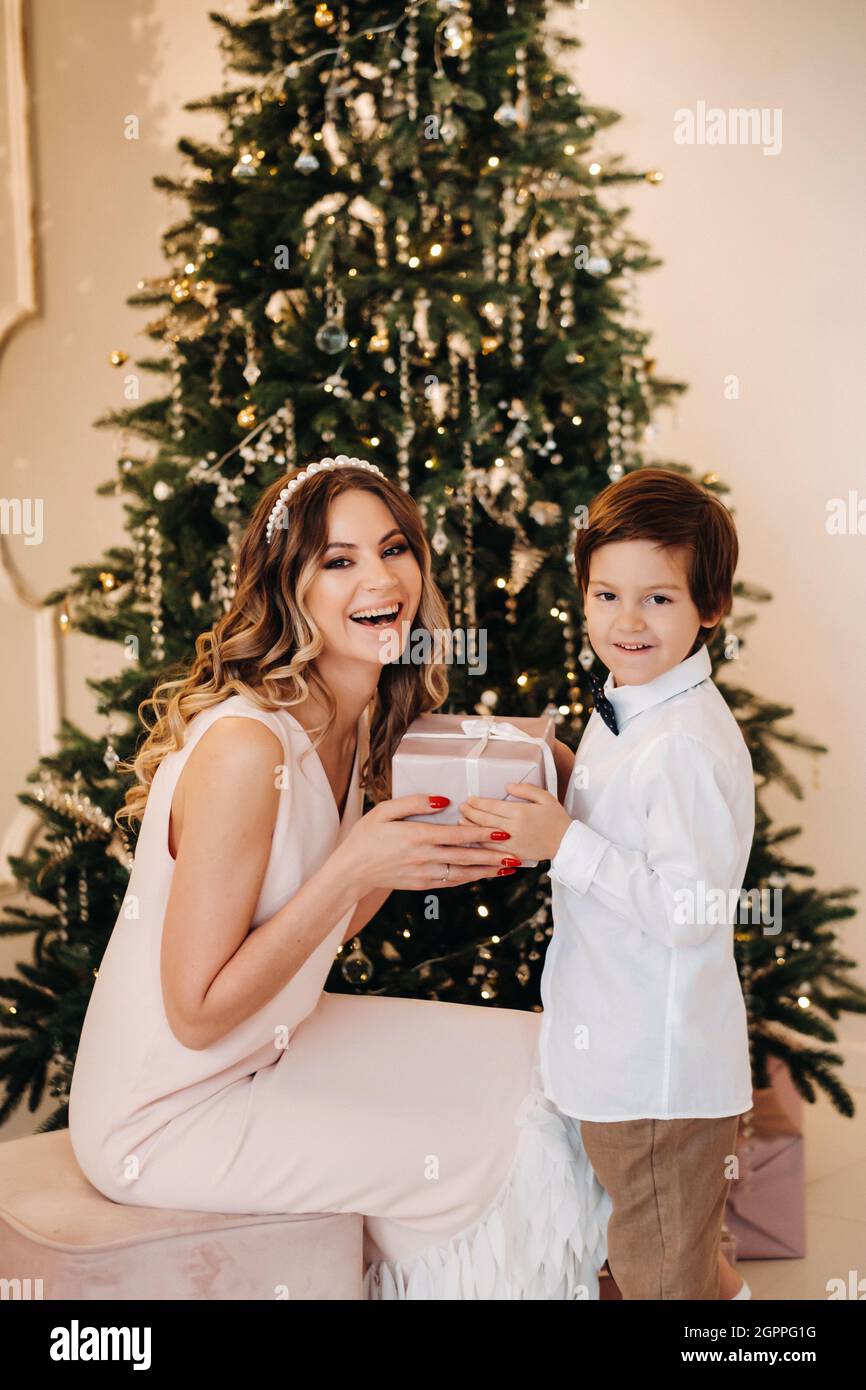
{"x": 459, "y": 756}
{"x": 765, "y": 1211}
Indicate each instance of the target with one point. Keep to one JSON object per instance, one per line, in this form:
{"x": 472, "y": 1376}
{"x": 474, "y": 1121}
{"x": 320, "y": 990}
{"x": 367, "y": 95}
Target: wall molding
{"x": 18, "y": 304}
{"x": 18, "y": 301}
{"x": 16, "y": 593}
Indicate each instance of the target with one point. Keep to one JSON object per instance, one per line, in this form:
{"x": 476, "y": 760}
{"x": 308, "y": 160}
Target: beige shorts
{"x": 667, "y": 1181}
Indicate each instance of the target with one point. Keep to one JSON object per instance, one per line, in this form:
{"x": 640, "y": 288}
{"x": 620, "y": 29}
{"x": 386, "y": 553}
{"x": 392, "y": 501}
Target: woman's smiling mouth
{"x": 377, "y": 615}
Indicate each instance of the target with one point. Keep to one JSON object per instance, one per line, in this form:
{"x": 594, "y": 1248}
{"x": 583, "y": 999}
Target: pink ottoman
{"x": 69, "y": 1241}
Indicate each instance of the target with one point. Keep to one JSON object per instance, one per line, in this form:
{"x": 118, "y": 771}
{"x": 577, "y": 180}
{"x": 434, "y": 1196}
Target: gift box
{"x": 766, "y": 1207}
{"x": 458, "y": 756}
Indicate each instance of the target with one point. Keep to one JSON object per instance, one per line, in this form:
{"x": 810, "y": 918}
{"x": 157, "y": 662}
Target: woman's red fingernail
{"x": 499, "y": 835}
{"x": 439, "y": 801}
{"x": 502, "y": 872}
{"x": 511, "y": 861}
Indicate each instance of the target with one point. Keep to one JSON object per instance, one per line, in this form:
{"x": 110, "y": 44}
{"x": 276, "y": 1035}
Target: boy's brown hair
{"x": 659, "y": 505}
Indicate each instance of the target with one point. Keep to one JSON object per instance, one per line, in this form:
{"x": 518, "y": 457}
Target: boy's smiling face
{"x": 638, "y": 596}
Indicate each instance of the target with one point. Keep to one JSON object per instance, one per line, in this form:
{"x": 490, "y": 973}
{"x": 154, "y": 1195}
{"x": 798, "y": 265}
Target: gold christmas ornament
{"x": 118, "y": 357}
{"x": 247, "y": 416}
{"x": 525, "y": 561}
{"x": 324, "y": 17}
{"x": 378, "y": 343}
{"x": 654, "y": 176}
{"x": 107, "y": 580}
{"x": 489, "y": 344}
{"x": 181, "y": 291}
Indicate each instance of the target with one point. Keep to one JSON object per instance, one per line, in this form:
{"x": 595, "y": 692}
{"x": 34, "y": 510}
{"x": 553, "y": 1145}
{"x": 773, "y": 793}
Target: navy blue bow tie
{"x": 602, "y": 703}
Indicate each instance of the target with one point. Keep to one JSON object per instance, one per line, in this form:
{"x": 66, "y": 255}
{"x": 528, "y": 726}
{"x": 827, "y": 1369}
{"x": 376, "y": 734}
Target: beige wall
{"x": 761, "y": 279}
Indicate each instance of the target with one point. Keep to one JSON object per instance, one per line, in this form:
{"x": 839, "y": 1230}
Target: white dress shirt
{"x": 643, "y": 1010}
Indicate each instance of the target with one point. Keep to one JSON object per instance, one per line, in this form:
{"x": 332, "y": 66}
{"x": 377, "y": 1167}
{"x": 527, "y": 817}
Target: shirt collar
{"x": 628, "y": 700}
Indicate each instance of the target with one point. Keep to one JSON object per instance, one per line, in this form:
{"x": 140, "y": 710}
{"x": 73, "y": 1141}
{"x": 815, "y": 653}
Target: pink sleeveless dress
{"x": 426, "y": 1117}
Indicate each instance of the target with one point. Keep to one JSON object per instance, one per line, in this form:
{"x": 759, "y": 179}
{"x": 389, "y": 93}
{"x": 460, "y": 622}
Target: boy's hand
{"x": 535, "y": 824}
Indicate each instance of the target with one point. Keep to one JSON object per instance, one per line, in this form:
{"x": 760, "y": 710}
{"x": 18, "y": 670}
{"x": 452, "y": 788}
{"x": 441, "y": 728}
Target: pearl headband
{"x": 323, "y": 466}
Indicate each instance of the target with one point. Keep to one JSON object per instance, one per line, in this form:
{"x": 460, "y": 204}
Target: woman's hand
{"x": 383, "y": 850}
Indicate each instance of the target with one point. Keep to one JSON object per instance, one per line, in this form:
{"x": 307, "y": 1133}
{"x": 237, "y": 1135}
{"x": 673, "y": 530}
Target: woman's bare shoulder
{"x": 230, "y": 771}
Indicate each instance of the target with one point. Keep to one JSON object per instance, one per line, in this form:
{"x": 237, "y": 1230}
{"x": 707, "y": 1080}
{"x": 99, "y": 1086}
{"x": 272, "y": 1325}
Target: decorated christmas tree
{"x": 405, "y": 247}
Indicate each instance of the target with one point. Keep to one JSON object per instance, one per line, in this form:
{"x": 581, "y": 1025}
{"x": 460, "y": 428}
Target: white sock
{"x": 745, "y": 1292}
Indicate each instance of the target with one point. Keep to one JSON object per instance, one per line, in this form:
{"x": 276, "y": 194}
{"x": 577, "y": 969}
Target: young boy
{"x": 644, "y": 1037}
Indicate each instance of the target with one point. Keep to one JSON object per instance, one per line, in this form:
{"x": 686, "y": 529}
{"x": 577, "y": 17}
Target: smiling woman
{"x": 367, "y": 586}
{"x": 211, "y": 1072}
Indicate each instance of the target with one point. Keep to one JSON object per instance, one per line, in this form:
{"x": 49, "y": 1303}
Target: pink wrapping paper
{"x": 469, "y": 755}
{"x": 766, "y": 1210}
{"x": 789, "y": 1096}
